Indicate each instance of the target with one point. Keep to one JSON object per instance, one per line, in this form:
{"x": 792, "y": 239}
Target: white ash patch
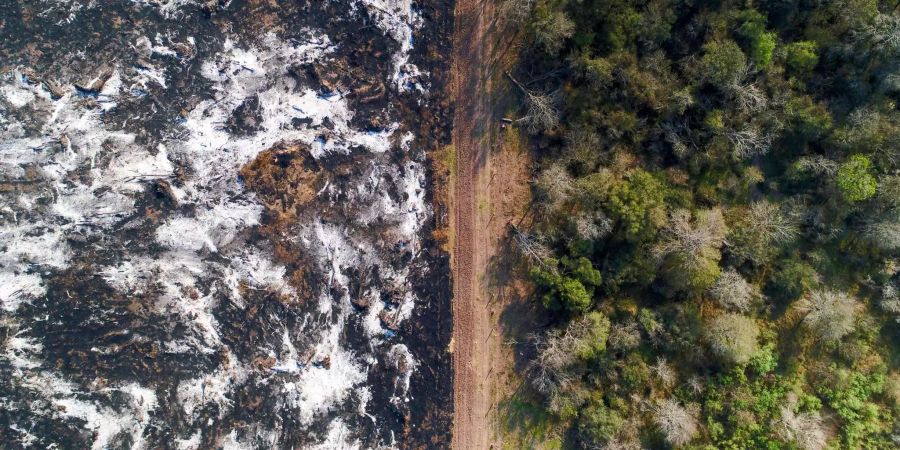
{"x": 170, "y": 9}
{"x": 372, "y": 319}
{"x": 62, "y": 399}
{"x": 250, "y": 267}
{"x": 338, "y": 437}
{"x": 16, "y": 96}
{"x": 399, "y": 20}
{"x": 197, "y": 258}
{"x": 190, "y": 443}
{"x": 320, "y": 386}
{"x": 402, "y": 360}
{"x": 212, "y": 388}
{"x": 17, "y": 288}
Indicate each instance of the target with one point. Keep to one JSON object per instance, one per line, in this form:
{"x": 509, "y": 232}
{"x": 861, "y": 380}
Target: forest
{"x": 716, "y": 236}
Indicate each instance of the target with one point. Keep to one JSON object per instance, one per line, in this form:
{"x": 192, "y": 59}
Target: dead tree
{"x": 531, "y": 246}
{"x": 750, "y": 141}
{"x": 517, "y": 12}
{"x": 541, "y": 113}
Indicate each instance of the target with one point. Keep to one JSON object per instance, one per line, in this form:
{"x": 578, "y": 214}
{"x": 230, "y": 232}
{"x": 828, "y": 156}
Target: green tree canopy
{"x": 801, "y": 57}
{"x": 638, "y": 203}
{"x": 760, "y": 43}
{"x": 854, "y": 179}
{"x": 722, "y": 63}
{"x": 733, "y": 338}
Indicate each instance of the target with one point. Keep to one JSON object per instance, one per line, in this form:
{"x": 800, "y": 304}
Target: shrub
{"x": 715, "y": 120}
{"x": 792, "y": 279}
{"x": 809, "y": 118}
{"x": 598, "y": 424}
{"x": 561, "y": 293}
{"x": 850, "y": 396}
{"x": 638, "y": 203}
{"x": 551, "y": 29}
{"x": 590, "y": 333}
{"x": 761, "y": 43}
{"x": 567, "y": 284}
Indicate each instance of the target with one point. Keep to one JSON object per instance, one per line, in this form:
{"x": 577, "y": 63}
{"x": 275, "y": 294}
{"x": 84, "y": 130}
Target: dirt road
{"x": 471, "y": 324}
{"x": 490, "y": 189}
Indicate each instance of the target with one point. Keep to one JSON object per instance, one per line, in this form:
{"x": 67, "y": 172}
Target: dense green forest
{"x": 717, "y": 233}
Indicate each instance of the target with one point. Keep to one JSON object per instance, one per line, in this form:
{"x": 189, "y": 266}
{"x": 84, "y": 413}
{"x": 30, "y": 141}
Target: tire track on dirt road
{"x": 471, "y": 320}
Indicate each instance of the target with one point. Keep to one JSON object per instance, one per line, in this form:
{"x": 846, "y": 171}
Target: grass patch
{"x": 483, "y": 205}
{"x": 513, "y": 140}
{"x": 527, "y": 425}
{"x": 445, "y": 160}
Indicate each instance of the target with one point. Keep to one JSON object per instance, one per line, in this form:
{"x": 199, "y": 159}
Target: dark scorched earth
{"x": 215, "y": 223}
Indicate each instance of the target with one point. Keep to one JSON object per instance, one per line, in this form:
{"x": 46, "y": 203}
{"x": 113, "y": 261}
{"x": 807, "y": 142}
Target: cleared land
{"x": 490, "y": 189}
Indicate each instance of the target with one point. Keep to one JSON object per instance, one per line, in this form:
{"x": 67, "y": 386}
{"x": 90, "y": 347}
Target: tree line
{"x": 717, "y": 221}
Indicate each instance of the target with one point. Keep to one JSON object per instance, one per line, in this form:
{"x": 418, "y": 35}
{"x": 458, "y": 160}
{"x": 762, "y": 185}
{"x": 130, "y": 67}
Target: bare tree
{"x": 806, "y": 429}
{"x": 883, "y": 33}
{"x": 532, "y": 247}
{"x": 592, "y": 226}
{"x": 541, "y": 113}
{"x": 890, "y": 300}
{"x": 778, "y": 225}
{"x": 583, "y": 146}
{"x": 885, "y": 234}
{"x": 695, "y": 240}
{"x": 555, "y": 186}
{"x": 621, "y": 444}
{"x": 554, "y": 368}
{"x": 830, "y": 314}
{"x": 696, "y": 384}
{"x": 624, "y": 335}
{"x": 548, "y": 370}
{"x": 677, "y": 423}
{"x": 733, "y": 337}
{"x": 750, "y": 141}
{"x": 817, "y": 165}
{"x": 517, "y": 12}
{"x": 664, "y": 372}
{"x": 672, "y": 132}
{"x": 749, "y": 97}
{"x": 762, "y": 226}
{"x": 884, "y": 228}
{"x": 733, "y": 292}
{"x": 889, "y": 193}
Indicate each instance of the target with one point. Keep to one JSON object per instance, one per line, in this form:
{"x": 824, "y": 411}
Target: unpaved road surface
{"x": 471, "y": 400}
{"x": 491, "y": 190}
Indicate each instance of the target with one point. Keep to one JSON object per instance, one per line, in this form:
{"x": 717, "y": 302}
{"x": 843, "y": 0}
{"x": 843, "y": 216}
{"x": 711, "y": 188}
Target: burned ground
{"x": 215, "y": 225}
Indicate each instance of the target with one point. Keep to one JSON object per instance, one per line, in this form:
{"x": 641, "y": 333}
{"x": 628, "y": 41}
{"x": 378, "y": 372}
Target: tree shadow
{"x": 520, "y": 316}
{"x": 524, "y": 416}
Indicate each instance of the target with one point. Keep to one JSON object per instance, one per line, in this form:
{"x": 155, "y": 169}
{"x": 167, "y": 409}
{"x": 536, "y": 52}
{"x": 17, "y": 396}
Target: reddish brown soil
{"x": 470, "y": 402}
{"x": 490, "y": 189}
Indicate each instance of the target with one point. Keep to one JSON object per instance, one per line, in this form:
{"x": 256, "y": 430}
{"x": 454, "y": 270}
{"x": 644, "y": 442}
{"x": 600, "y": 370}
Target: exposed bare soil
{"x": 490, "y": 189}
